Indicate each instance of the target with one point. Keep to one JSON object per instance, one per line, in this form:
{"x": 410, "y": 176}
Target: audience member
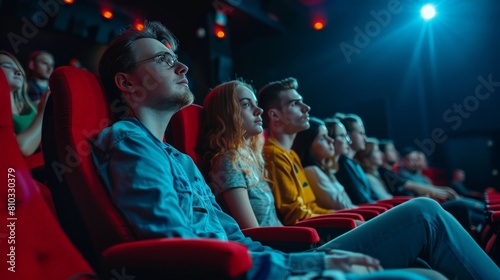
{"x": 319, "y": 154}
{"x": 350, "y": 173}
{"x": 40, "y": 67}
{"x": 285, "y": 115}
{"x": 469, "y": 212}
{"x": 398, "y": 185}
{"x": 26, "y": 116}
{"x": 371, "y": 160}
{"x": 390, "y": 156}
{"x": 411, "y": 165}
{"x": 458, "y": 184}
{"x": 233, "y": 157}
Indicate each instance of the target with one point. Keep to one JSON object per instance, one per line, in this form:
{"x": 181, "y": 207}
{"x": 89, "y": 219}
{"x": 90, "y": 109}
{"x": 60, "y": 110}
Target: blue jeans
{"x": 419, "y": 228}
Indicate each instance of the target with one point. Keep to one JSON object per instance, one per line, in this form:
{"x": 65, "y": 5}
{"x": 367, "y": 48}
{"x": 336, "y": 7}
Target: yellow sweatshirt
{"x": 293, "y": 196}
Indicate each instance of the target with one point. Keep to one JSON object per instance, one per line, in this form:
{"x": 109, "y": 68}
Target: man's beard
{"x": 180, "y": 101}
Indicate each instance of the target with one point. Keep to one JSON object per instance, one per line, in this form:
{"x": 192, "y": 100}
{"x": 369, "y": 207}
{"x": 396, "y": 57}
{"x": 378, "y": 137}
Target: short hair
{"x": 348, "y": 120}
{"x": 119, "y": 55}
{"x": 269, "y": 95}
{"x": 33, "y": 56}
{"x": 408, "y": 150}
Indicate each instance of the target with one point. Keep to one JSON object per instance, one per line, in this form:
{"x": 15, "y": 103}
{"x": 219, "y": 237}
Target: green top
{"x": 22, "y": 122}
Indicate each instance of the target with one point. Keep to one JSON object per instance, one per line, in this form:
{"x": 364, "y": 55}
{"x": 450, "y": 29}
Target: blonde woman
{"x": 233, "y": 159}
{"x": 27, "y": 118}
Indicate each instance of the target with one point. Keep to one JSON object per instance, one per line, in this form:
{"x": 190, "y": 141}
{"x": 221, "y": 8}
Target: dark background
{"x": 406, "y": 77}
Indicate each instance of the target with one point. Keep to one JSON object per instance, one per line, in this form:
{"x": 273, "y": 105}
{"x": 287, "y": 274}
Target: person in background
{"x": 40, "y": 67}
{"x": 468, "y": 211}
{"x": 457, "y": 183}
{"x": 371, "y": 160}
{"x": 319, "y": 153}
{"x": 27, "y": 116}
{"x": 351, "y": 174}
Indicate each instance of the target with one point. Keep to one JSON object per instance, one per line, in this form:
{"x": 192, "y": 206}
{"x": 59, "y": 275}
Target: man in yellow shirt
{"x": 285, "y": 114}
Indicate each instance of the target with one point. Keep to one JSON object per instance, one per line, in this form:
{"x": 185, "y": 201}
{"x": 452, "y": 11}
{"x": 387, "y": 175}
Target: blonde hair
{"x": 224, "y": 130}
{"x": 20, "y": 97}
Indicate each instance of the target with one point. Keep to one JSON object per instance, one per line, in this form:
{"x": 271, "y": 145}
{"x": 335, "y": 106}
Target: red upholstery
{"x": 41, "y": 248}
{"x": 436, "y": 175}
{"x": 79, "y": 112}
{"x": 186, "y": 126}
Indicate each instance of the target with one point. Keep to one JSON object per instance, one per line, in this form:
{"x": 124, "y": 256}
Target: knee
{"x": 424, "y": 202}
{"x": 424, "y": 205}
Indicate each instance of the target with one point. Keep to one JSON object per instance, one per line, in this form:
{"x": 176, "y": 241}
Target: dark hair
{"x": 408, "y": 150}
{"x": 330, "y": 125}
{"x": 348, "y": 120}
{"x": 119, "y": 55}
{"x": 383, "y": 143}
{"x": 269, "y": 95}
{"x": 303, "y": 141}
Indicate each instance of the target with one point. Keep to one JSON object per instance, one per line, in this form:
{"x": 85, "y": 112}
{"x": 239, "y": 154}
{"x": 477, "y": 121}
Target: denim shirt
{"x": 161, "y": 193}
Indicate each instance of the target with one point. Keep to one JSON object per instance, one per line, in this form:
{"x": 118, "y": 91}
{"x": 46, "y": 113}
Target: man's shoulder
{"x": 273, "y": 153}
{"x": 121, "y": 131}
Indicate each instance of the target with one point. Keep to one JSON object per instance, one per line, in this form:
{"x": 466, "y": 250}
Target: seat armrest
{"x": 379, "y": 209}
{"x": 328, "y": 222}
{"x": 385, "y": 205}
{"x": 209, "y": 256}
{"x": 282, "y": 234}
{"x": 354, "y": 216}
{"x": 395, "y": 200}
{"x": 495, "y": 217}
{"x": 366, "y": 213}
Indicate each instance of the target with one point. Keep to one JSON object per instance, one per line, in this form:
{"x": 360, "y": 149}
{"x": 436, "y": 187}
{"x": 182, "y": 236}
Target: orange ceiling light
{"x": 318, "y": 24}
{"x": 219, "y": 31}
{"x": 107, "y": 13}
{"x": 139, "y": 26}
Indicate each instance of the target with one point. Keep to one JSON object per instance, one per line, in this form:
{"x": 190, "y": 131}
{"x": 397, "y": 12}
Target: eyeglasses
{"x": 166, "y": 57}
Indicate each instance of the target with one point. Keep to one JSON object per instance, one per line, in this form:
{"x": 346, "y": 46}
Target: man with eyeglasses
{"x": 161, "y": 192}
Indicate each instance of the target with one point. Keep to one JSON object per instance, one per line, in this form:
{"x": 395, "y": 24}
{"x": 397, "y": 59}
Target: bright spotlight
{"x": 428, "y": 11}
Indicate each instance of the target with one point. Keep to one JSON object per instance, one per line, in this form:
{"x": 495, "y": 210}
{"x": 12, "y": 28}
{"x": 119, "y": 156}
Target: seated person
{"x": 370, "y": 160}
{"x": 398, "y": 185}
{"x": 319, "y": 155}
{"x": 233, "y": 157}
{"x": 40, "y": 67}
{"x": 457, "y": 183}
{"x": 161, "y": 193}
{"x": 27, "y": 117}
{"x": 390, "y": 156}
{"x": 350, "y": 173}
{"x": 469, "y": 212}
